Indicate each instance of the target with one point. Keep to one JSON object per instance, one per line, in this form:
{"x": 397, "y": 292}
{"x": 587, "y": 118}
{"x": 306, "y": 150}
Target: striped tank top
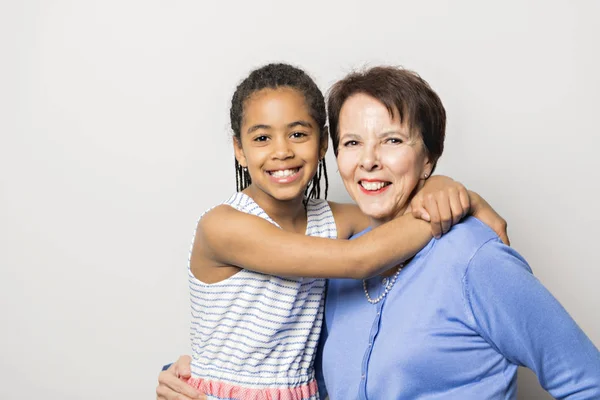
{"x": 254, "y": 336}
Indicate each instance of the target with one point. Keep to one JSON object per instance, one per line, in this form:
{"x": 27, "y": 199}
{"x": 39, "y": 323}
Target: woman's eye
{"x": 262, "y": 138}
{"x": 350, "y": 143}
{"x": 298, "y": 135}
{"x": 394, "y": 141}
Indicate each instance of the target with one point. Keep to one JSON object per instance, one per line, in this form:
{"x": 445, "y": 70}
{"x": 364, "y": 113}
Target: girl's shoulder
{"x": 237, "y": 203}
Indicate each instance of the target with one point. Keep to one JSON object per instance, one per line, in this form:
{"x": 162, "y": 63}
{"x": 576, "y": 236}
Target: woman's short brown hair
{"x": 401, "y": 91}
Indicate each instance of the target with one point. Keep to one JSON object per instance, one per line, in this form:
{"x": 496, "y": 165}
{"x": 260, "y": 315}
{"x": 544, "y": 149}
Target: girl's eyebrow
{"x": 257, "y": 127}
{"x": 305, "y": 124}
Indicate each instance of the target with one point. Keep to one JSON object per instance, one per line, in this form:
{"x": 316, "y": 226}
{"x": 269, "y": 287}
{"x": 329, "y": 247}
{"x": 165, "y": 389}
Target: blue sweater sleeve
{"x": 519, "y": 317}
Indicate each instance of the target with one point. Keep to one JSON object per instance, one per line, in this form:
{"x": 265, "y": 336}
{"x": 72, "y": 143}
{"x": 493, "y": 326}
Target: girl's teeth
{"x": 373, "y": 185}
{"x": 284, "y": 173}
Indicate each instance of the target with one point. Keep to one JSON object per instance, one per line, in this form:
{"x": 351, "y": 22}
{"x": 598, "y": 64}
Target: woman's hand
{"x": 171, "y": 385}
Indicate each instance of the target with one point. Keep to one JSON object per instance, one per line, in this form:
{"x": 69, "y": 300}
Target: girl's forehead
{"x": 279, "y": 104}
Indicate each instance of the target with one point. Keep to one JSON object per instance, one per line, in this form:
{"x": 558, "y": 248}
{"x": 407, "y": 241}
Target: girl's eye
{"x": 350, "y": 143}
{"x": 394, "y": 141}
{"x": 298, "y": 135}
{"x": 262, "y": 138}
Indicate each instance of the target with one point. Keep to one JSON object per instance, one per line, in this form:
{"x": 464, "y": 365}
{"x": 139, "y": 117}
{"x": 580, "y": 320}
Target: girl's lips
{"x": 284, "y": 179}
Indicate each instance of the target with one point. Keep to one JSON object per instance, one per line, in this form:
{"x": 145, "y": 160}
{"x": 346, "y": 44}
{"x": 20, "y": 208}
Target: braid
{"x": 242, "y": 177}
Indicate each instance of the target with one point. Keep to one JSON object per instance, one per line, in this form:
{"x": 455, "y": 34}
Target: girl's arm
{"x": 441, "y": 201}
{"x": 444, "y": 202}
{"x": 228, "y": 237}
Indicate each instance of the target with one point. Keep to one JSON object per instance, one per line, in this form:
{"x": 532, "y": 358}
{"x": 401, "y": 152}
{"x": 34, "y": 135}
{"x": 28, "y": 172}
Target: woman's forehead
{"x": 365, "y": 113}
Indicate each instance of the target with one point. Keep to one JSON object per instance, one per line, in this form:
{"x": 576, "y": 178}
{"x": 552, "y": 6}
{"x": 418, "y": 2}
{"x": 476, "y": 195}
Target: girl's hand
{"x": 171, "y": 385}
{"x": 444, "y": 202}
{"x": 441, "y": 201}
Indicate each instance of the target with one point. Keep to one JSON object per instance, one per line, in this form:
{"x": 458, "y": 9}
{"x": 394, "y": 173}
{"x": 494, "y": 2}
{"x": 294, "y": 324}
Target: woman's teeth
{"x": 373, "y": 185}
{"x": 284, "y": 173}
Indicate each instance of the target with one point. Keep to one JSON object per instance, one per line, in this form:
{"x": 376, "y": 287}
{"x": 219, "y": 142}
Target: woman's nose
{"x": 369, "y": 159}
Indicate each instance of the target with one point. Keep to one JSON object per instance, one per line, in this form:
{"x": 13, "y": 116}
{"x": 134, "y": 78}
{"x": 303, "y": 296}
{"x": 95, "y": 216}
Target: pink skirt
{"x": 223, "y": 390}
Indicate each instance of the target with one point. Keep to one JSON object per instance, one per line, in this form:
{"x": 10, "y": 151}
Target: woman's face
{"x": 381, "y": 162}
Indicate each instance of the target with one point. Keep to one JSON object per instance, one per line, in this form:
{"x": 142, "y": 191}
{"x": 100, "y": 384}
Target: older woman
{"x": 460, "y": 317}
{"x": 466, "y": 311}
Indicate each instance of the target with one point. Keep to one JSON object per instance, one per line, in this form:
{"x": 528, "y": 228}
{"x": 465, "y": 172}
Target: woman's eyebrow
{"x": 353, "y": 136}
{"x": 390, "y": 133}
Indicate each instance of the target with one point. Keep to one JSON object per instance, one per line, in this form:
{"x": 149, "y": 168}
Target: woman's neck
{"x": 375, "y": 222}
{"x": 290, "y": 215}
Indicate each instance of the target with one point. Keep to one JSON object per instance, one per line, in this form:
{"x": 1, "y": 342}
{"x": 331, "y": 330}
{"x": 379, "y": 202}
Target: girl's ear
{"x": 239, "y": 152}
{"x": 324, "y": 143}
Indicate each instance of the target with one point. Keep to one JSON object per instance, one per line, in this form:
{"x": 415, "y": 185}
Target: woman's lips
{"x": 373, "y": 187}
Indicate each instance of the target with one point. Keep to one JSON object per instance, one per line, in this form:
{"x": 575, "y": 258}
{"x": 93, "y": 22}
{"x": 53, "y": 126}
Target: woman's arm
{"x": 227, "y": 236}
{"x": 517, "y": 315}
{"x": 171, "y": 385}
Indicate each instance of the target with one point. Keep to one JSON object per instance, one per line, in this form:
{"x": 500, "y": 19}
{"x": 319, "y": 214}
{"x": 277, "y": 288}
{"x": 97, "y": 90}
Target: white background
{"x": 114, "y": 138}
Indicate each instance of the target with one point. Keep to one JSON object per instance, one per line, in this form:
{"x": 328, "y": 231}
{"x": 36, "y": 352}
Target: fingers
{"x": 183, "y": 367}
{"x": 164, "y": 393}
{"x": 465, "y": 199}
{"x": 417, "y": 210}
{"x": 442, "y": 204}
{"x": 458, "y": 212}
{"x": 431, "y": 206}
{"x": 445, "y": 212}
{"x": 170, "y": 387}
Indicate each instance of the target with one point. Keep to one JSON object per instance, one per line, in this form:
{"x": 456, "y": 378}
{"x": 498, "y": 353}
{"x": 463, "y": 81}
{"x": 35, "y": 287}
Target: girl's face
{"x": 379, "y": 159}
{"x": 279, "y": 143}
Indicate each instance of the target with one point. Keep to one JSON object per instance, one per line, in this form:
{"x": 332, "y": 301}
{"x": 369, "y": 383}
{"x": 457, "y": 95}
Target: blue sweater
{"x": 462, "y": 316}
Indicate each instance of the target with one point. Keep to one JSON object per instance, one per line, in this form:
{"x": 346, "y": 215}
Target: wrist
{"x": 476, "y": 201}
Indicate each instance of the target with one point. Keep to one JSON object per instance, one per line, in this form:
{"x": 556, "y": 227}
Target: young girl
{"x": 258, "y": 259}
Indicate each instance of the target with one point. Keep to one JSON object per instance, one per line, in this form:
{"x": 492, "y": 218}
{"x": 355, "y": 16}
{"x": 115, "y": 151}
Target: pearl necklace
{"x": 388, "y": 287}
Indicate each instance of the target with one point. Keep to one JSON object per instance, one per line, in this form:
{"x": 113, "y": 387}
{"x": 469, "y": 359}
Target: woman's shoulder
{"x": 463, "y": 241}
{"x": 471, "y": 244}
{"x": 349, "y": 219}
{"x": 471, "y": 232}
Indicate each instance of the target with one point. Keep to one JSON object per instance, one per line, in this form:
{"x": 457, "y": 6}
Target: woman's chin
{"x": 378, "y": 215}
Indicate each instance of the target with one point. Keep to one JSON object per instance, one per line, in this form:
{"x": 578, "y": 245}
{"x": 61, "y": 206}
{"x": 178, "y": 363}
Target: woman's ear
{"x": 428, "y": 167}
{"x": 239, "y": 152}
